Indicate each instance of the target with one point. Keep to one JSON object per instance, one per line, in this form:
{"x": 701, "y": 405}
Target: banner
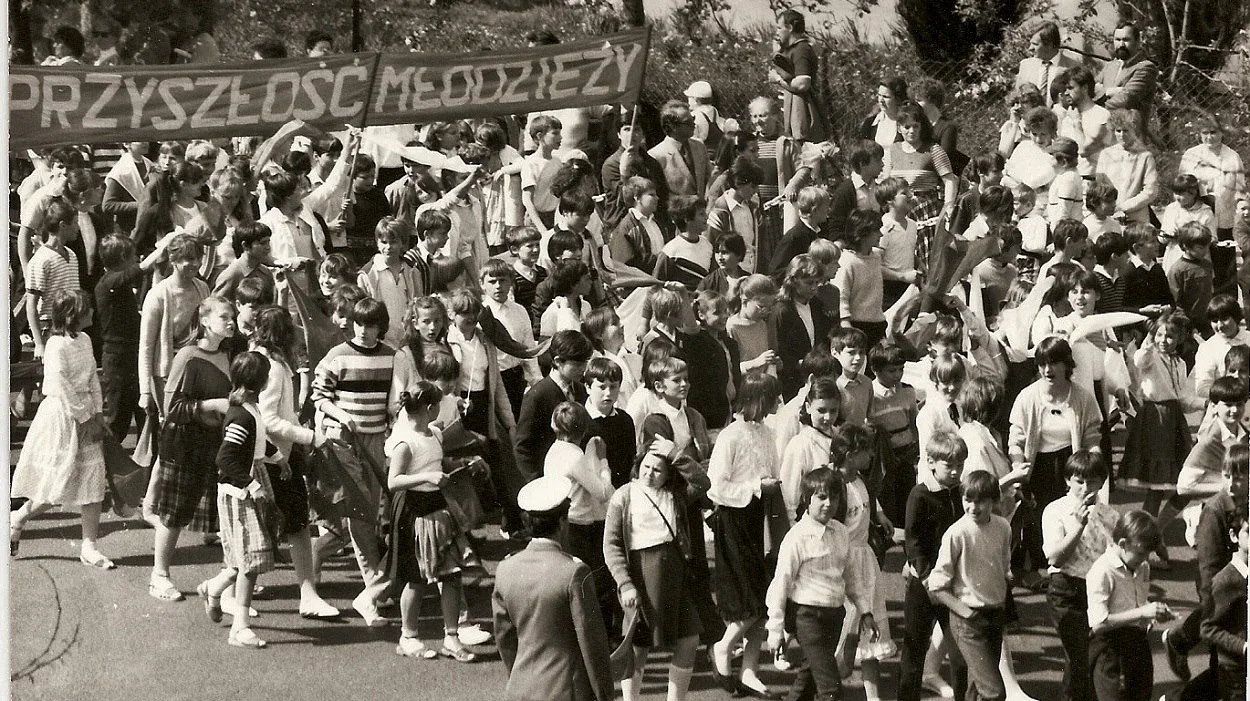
{"x": 52, "y": 106}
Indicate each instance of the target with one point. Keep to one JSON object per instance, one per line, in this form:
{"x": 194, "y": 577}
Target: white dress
{"x": 863, "y": 562}
{"x": 55, "y": 467}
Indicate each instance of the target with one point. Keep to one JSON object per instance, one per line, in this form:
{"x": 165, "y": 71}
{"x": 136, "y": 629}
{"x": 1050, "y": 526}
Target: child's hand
{"x": 662, "y": 446}
{"x": 885, "y": 521}
{"x": 438, "y": 479}
{"x": 776, "y": 640}
{"x": 629, "y": 596}
{"x": 1019, "y": 472}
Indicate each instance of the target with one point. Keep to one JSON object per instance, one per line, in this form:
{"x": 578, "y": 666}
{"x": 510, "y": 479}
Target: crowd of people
{"x": 656, "y": 345}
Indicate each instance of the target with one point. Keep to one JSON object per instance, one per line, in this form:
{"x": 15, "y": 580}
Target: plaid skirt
{"x": 926, "y": 213}
{"x": 184, "y": 494}
{"x": 248, "y": 528}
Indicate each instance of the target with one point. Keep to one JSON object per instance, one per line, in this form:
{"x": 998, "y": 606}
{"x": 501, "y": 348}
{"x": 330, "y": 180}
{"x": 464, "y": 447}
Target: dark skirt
{"x": 290, "y": 495}
{"x": 1157, "y": 444}
{"x": 668, "y": 613}
{"x": 928, "y": 207}
{"x": 741, "y": 576}
{"x": 184, "y": 494}
{"x": 768, "y": 235}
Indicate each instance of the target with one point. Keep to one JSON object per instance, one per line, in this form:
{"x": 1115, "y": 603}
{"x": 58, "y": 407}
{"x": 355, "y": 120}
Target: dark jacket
{"x": 795, "y": 343}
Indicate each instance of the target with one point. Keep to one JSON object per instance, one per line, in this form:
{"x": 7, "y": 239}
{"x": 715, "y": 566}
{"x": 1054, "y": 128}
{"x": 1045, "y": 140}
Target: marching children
{"x": 894, "y": 412}
{"x": 608, "y": 422}
{"x": 388, "y": 278}
{"x": 1191, "y": 278}
{"x": 809, "y": 449}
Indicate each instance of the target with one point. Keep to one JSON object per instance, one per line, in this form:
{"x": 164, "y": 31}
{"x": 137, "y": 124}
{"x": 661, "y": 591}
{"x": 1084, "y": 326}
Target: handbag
{"x": 127, "y": 480}
{"x": 622, "y": 658}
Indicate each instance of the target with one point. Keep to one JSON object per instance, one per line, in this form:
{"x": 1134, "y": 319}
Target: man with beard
{"x": 1130, "y": 81}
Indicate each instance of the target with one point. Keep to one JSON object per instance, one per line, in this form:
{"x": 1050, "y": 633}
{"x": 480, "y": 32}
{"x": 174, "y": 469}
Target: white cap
{"x": 700, "y": 89}
{"x": 544, "y": 494}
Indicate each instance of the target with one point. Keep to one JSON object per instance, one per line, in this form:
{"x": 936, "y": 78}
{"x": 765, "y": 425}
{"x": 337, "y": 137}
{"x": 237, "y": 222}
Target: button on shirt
{"x": 1059, "y": 519}
{"x": 1113, "y": 588}
{"x": 865, "y": 199}
{"x": 811, "y": 570}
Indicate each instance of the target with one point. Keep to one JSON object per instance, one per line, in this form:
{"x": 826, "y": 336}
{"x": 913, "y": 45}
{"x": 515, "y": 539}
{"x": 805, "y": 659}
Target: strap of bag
{"x": 660, "y": 511}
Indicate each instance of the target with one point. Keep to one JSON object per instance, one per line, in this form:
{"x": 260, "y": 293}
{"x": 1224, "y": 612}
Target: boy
{"x": 1100, "y": 200}
{"x": 1110, "y": 262}
{"x": 932, "y": 506}
{"x": 1063, "y": 198}
{"x": 539, "y": 170}
{"x": 433, "y": 231}
{"x": 251, "y": 296}
{"x": 940, "y": 413}
{"x": 523, "y": 244}
{"x": 714, "y": 378}
{"x": 728, "y": 252}
{"x": 898, "y": 238}
{"x": 1224, "y": 314}
{"x": 559, "y": 247}
{"x": 369, "y": 206}
{"x": 1224, "y": 627}
{"x": 855, "y": 193}
{"x": 1146, "y": 288}
{"x": 813, "y": 209}
{"x": 517, "y": 374}
{"x": 686, "y": 259}
{"x": 850, "y": 347}
{"x": 53, "y": 267}
{"x": 1214, "y": 553}
{"x": 969, "y": 578}
{"x": 1076, "y": 529}
{"x": 998, "y": 273}
{"x": 1186, "y": 206}
{"x": 352, "y": 395}
{"x": 251, "y": 245}
{"x": 388, "y": 278}
{"x": 1070, "y": 240}
{"x": 614, "y": 427}
{"x": 667, "y": 315}
{"x": 570, "y": 283}
{"x": 570, "y": 351}
{"x": 1118, "y": 589}
{"x": 118, "y": 328}
{"x": 893, "y": 413}
{"x": 736, "y": 211}
{"x": 402, "y": 194}
{"x": 1191, "y": 279}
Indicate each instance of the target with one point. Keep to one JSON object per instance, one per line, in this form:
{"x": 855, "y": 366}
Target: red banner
{"x": 50, "y": 106}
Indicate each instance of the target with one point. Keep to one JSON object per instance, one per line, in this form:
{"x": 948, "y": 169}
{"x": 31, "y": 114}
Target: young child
{"x": 570, "y": 283}
{"x": 715, "y": 378}
{"x": 754, "y": 328}
{"x": 812, "y": 205}
{"x": 828, "y": 254}
{"x": 639, "y": 236}
{"x": 52, "y": 268}
{"x": 1214, "y": 552}
{"x": 1191, "y": 279}
{"x": 570, "y": 351}
{"x": 488, "y": 411}
{"x": 431, "y": 547}
{"x": 62, "y": 461}
{"x": 1224, "y": 315}
{"x": 809, "y": 448}
{"x": 970, "y": 579}
{"x": 850, "y": 454}
{"x": 663, "y": 408}
{"x": 995, "y": 275}
{"x": 1110, "y": 264}
{"x": 388, "y": 278}
{"x": 1065, "y": 193}
{"x": 1035, "y": 231}
{"x": 1224, "y": 628}
{"x": 603, "y": 327}
{"x": 666, "y": 307}
{"x": 1222, "y": 428}
{"x": 787, "y": 422}
{"x": 1119, "y": 651}
{"x": 850, "y": 348}
{"x": 334, "y": 271}
{"x": 985, "y": 169}
{"x": 1100, "y": 200}
{"x": 538, "y": 170}
{"x": 940, "y": 413}
{"x": 517, "y": 374}
{"x": 245, "y": 502}
{"x": 816, "y": 588}
{"x": 351, "y": 392}
{"x": 524, "y": 246}
{"x": 737, "y": 212}
{"x": 996, "y": 206}
{"x": 433, "y": 230}
{"x": 859, "y": 278}
{"x": 893, "y": 412}
{"x": 1146, "y": 288}
{"x": 729, "y": 252}
{"x": 1186, "y": 207}
{"x": 1076, "y": 530}
{"x": 608, "y": 422}
{"x": 687, "y": 259}
{"x": 932, "y": 507}
{"x": 898, "y": 238}
{"x": 251, "y": 246}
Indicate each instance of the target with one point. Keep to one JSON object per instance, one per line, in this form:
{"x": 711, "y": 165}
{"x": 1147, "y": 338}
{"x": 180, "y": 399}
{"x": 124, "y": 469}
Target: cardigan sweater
{"x": 156, "y": 353}
{"x": 1026, "y": 421}
{"x": 616, "y": 532}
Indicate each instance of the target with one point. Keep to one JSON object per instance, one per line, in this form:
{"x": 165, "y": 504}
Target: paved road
{"x": 79, "y": 633}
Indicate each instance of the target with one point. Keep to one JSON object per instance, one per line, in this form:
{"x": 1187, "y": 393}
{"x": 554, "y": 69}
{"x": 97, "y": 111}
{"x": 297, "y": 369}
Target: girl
{"x": 172, "y": 204}
{"x": 639, "y": 237}
{"x": 753, "y": 327}
{"x": 273, "y": 336}
{"x": 61, "y": 460}
{"x": 228, "y": 189}
{"x": 745, "y": 489}
{"x": 859, "y": 280}
{"x": 334, "y": 271}
{"x": 183, "y": 493}
{"x": 603, "y": 327}
{"x": 502, "y": 196}
{"x": 801, "y": 319}
{"x": 168, "y": 322}
{"x": 851, "y": 452}
{"x": 245, "y": 501}
{"x": 52, "y": 268}
{"x": 647, "y": 543}
{"x": 1158, "y": 437}
{"x": 814, "y": 555}
{"x": 828, "y": 254}
{"x": 425, "y": 333}
{"x": 428, "y": 546}
{"x": 809, "y": 449}
{"x": 926, "y": 167}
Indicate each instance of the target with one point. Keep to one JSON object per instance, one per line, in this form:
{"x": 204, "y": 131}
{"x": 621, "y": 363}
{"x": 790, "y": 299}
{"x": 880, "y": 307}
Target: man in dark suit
{"x": 547, "y": 622}
{"x": 1131, "y": 80}
{"x": 570, "y": 351}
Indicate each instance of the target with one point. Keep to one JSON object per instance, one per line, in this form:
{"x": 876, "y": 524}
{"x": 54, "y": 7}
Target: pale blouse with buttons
{"x": 745, "y": 453}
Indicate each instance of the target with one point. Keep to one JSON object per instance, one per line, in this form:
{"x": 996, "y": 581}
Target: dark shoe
{"x": 727, "y": 683}
{"x": 1178, "y": 661}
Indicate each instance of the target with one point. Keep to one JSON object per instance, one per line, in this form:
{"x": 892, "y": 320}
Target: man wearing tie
{"x": 1046, "y": 62}
{"x": 683, "y": 158}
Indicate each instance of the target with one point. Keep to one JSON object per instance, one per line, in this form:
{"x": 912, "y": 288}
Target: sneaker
{"x": 473, "y": 635}
{"x": 1178, "y": 661}
{"x": 413, "y": 647}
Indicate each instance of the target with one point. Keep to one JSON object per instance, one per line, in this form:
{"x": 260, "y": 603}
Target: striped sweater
{"x": 356, "y": 380}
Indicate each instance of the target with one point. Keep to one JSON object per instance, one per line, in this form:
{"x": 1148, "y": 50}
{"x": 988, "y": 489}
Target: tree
{"x": 951, "y": 30}
{"x": 1190, "y": 40}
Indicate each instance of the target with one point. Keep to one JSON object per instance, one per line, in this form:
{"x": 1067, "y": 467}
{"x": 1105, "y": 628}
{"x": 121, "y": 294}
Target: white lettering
{"x": 564, "y": 75}
{"x": 139, "y": 98}
{"x": 420, "y": 85}
{"x": 61, "y": 94}
{"x": 510, "y": 94}
{"x": 238, "y": 100}
{"x": 337, "y": 108}
{"x": 479, "y": 81}
{"x": 31, "y": 101}
{"x": 201, "y": 120}
{"x": 389, "y": 80}
{"x": 592, "y": 87}
{"x": 175, "y": 108}
{"x": 318, "y": 107}
{"x": 267, "y": 112}
{"x": 112, "y": 84}
{"x": 625, "y": 62}
{"x": 449, "y": 82}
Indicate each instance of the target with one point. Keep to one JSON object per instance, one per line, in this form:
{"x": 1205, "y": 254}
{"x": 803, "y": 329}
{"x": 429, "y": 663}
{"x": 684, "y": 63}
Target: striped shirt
{"x": 357, "y": 380}
{"x": 49, "y": 272}
{"x": 923, "y": 170}
{"x": 769, "y": 152}
{"x": 1111, "y": 291}
{"x": 685, "y": 261}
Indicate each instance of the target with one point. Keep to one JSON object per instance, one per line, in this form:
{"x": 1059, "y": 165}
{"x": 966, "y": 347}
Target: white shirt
{"x": 517, "y": 321}
{"x": 471, "y": 353}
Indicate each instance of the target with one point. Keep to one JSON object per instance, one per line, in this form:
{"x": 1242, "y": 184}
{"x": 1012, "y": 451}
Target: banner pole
{"x": 373, "y": 84}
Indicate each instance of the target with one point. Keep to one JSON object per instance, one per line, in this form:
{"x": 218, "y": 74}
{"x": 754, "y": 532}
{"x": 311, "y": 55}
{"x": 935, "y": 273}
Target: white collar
{"x": 594, "y": 410}
{"x": 1100, "y": 268}
{"x": 858, "y": 181}
{"x": 1241, "y": 567}
{"x": 1139, "y": 263}
{"x": 640, "y": 216}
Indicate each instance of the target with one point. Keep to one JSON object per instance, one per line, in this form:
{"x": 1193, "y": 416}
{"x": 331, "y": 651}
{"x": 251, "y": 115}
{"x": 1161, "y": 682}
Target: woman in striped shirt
{"x": 926, "y": 167}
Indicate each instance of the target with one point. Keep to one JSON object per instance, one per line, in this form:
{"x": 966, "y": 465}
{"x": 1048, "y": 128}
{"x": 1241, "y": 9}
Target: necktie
{"x": 1045, "y": 86}
{"x": 685, "y": 156}
{"x": 954, "y": 413}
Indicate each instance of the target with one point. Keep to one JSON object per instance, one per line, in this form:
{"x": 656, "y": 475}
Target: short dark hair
{"x": 440, "y": 366}
{"x": 1193, "y": 235}
{"x": 1229, "y": 390}
{"x": 912, "y": 114}
{"x": 1222, "y": 307}
{"x": 248, "y": 233}
{"x": 344, "y": 299}
{"x": 997, "y": 203}
{"x": 1108, "y": 246}
{"x": 1069, "y": 230}
{"x": 371, "y": 312}
{"x": 315, "y": 37}
{"x": 1049, "y": 32}
{"x": 563, "y": 241}
{"x": 888, "y": 188}
{"x": 981, "y": 486}
{"x": 1082, "y": 77}
{"x": 1137, "y": 527}
{"x": 744, "y": 172}
{"x": 819, "y": 363}
{"x": 269, "y": 47}
{"x": 576, "y": 202}
{"x": 565, "y": 275}
{"x": 1008, "y": 235}
{"x": 794, "y": 20}
{"x": 542, "y": 37}
{"x": 886, "y": 354}
{"x": 114, "y": 250}
{"x": 1053, "y": 349}
{"x": 1185, "y": 184}
{"x": 496, "y": 267}
{"x": 847, "y": 337}
{"x": 946, "y": 446}
{"x": 984, "y": 163}
{"x": 732, "y": 243}
{"x": 570, "y": 420}
{"x": 255, "y": 290}
{"x": 1236, "y": 461}
{"x": 848, "y": 439}
{"x": 673, "y": 114}
{"x": 571, "y": 346}
{"x": 515, "y": 237}
{"x": 825, "y": 481}
{"x": 980, "y": 400}
{"x": 896, "y": 84}
{"x": 1099, "y": 191}
{"x": 72, "y": 38}
{"x": 860, "y": 225}
{"x": 1086, "y": 465}
{"x": 604, "y": 370}
{"x": 432, "y": 220}
{"x": 758, "y": 395}
{"x": 863, "y": 152}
